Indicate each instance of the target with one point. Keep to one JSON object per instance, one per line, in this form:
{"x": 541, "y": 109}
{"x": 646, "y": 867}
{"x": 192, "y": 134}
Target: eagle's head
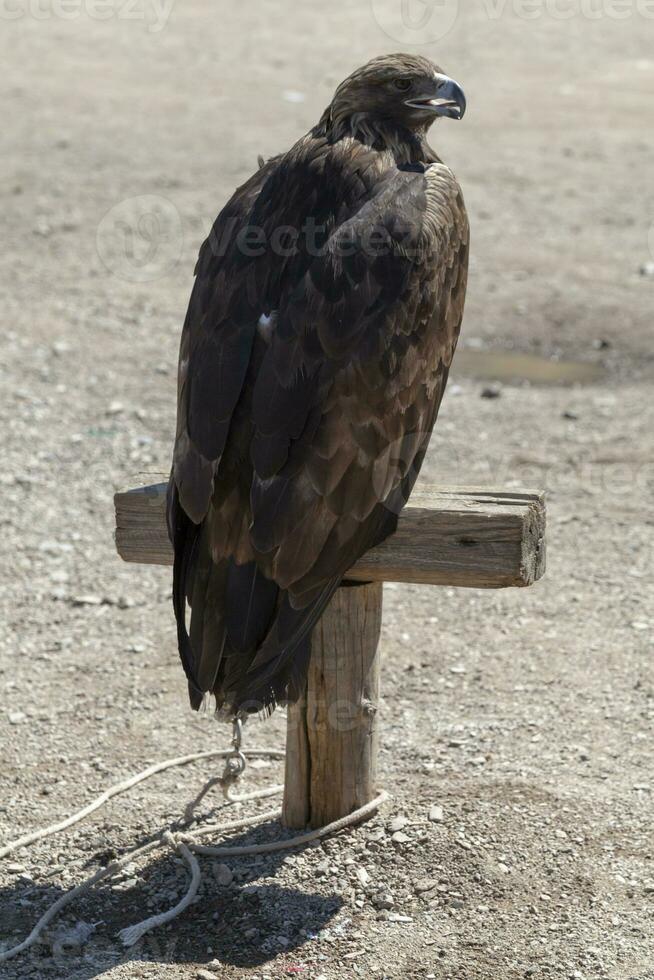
{"x": 405, "y": 90}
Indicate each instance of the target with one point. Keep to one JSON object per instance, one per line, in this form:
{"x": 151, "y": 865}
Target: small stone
{"x": 464, "y": 844}
{"x": 292, "y": 95}
{"x": 127, "y": 885}
{"x": 86, "y": 600}
{"x": 72, "y": 938}
{"x": 400, "y": 838}
{"x": 15, "y": 869}
{"x": 436, "y": 814}
{"x": 362, "y": 876}
{"x": 457, "y": 903}
{"x": 491, "y": 391}
{"x": 425, "y": 885}
{"x": 17, "y": 717}
{"x": 206, "y": 975}
{"x": 49, "y": 547}
{"x": 397, "y": 823}
{"x": 224, "y": 875}
{"x": 647, "y": 269}
{"x": 323, "y": 868}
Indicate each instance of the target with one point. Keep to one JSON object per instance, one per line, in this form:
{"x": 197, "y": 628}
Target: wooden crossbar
{"x": 473, "y": 538}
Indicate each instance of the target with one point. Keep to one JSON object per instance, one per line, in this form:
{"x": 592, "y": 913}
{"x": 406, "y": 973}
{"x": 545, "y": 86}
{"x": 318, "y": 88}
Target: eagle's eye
{"x": 402, "y": 84}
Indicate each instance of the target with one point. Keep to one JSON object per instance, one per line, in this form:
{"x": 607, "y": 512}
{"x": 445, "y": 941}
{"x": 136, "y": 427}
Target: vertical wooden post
{"x": 332, "y": 735}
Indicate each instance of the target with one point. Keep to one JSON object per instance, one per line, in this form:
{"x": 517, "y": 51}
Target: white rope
{"x": 122, "y": 787}
{"x": 232, "y": 825}
{"x": 257, "y": 794}
{"x": 281, "y": 845}
{"x": 185, "y": 844}
{"x": 71, "y": 895}
{"x": 132, "y": 934}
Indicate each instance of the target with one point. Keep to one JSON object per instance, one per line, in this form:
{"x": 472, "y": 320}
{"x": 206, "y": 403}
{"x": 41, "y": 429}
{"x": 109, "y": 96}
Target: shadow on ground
{"x": 244, "y": 924}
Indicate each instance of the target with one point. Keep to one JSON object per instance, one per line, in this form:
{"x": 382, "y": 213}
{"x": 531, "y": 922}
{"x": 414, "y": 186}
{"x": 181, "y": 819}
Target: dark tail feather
{"x": 248, "y": 643}
{"x": 184, "y": 535}
{"x": 250, "y": 600}
{"x": 239, "y": 621}
{"x": 277, "y": 672}
{"x": 208, "y": 631}
{"x": 286, "y": 684}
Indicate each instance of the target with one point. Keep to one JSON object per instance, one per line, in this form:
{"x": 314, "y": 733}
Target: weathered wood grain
{"x": 468, "y": 537}
{"x": 333, "y": 734}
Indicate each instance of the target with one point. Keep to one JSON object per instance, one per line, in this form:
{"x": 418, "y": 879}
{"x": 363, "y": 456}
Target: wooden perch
{"x": 484, "y": 539}
{"x": 332, "y": 734}
{"x": 477, "y": 539}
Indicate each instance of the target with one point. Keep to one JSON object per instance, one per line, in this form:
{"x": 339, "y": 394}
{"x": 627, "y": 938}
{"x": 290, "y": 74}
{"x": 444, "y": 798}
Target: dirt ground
{"x": 525, "y": 716}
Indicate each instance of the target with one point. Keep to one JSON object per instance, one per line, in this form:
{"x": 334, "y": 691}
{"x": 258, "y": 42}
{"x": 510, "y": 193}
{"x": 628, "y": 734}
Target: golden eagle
{"x": 314, "y": 356}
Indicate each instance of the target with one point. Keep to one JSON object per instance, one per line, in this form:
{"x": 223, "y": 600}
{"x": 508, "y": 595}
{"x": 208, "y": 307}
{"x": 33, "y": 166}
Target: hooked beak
{"x": 449, "y": 99}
